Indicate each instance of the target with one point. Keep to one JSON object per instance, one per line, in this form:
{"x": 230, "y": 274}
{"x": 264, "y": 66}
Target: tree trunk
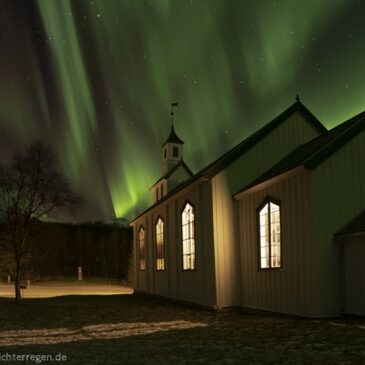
{"x": 17, "y": 282}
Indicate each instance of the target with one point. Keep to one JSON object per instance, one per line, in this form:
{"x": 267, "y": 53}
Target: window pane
{"x": 188, "y": 237}
{"x": 270, "y": 236}
{"x": 275, "y": 235}
{"x": 142, "y": 257}
{"x": 185, "y": 262}
{"x": 264, "y": 236}
{"x": 160, "y": 245}
{"x": 264, "y": 263}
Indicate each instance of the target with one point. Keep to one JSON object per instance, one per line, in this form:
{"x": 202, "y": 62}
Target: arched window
{"x": 142, "y": 249}
{"x": 188, "y": 237}
{"x": 160, "y": 245}
{"x": 269, "y": 235}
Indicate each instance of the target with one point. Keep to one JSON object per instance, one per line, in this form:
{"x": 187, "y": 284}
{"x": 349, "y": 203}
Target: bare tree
{"x": 31, "y": 189}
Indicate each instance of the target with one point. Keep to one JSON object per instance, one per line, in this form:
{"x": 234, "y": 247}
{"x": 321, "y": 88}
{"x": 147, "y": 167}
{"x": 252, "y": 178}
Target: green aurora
{"x": 95, "y": 79}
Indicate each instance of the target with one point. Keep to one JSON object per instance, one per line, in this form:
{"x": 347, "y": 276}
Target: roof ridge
{"x": 172, "y": 170}
{"x": 313, "y": 152}
{"x": 215, "y": 166}
{"x": 357, "y": 119}
{"x": 263, "y": 131}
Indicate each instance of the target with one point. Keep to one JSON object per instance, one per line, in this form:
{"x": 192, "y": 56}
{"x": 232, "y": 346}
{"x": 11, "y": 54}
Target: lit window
{"x": 188, "y": 238}
{"x": 270, "y": 239}
{"x": 142, "y": 249}
{"x": 160, "y": 243}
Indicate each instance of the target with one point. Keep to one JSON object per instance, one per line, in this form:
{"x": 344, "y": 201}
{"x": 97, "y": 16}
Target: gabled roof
{"x": 356, "y": 225}
{"x": 226, "y": 159}
{"x": 314, "y": 152}
{"x": 178, "y": 188}
{"x": 173, "y": 138}
{"x": 181, "y": 163}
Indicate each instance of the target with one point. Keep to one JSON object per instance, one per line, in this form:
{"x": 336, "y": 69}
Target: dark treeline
{"x": 58, "y": 249}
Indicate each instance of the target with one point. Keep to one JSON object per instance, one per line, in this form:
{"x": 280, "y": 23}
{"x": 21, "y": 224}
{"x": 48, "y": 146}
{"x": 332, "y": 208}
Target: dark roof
{"x": 226, "y": 159}
{"x": 169, "y": 194}
{"x": 356, "y": 225}
{"x": 314, "y": 152}
{"x": 173, "y": 138}
{"x": 173, "y": 169}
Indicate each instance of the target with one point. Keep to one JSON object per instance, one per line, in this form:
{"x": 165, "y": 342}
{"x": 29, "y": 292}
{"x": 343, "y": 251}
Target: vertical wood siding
{"x": 354, "y": 275}
{"x": 294, "y": 131}
{"x": 140, "y": 277}
{"x": 196, "y": 286}
{"x": 290, "y": 289}
{"x": 338, "y": 196}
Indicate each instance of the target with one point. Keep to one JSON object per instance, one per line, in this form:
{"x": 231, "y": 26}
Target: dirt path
{"x": 130, "y": 329}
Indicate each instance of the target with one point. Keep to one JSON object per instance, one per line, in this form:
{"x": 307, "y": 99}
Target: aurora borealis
{"x": 96, "y": 78}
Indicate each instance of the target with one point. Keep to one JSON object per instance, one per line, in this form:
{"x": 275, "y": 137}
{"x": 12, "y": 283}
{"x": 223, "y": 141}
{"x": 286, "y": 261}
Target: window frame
{"x": 268, "y": 200}
{"x": 163, "y": 244}
{"x": 144, "y": 249}
{"x": 175, "y": 149}
{"x": 182, "y": 237}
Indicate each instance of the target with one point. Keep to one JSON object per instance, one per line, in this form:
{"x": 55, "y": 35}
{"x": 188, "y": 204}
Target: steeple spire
{"x": 173, "y": 138}
{"x": 172, "y": 148}
{"x": 172, "y": 112}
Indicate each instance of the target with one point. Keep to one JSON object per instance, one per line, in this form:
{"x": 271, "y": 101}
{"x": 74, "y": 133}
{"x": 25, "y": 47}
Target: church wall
{"x": 197, "y": 286}
{"x": 226, "y": 242}
{"x": 140, "y": 276}
{"x": 352, "y": 274}
{"x": 338, "y": 195}
{"x": 289, "y": 289}
{"x": 291, "y": 133}
{"x": 159, "y": 278}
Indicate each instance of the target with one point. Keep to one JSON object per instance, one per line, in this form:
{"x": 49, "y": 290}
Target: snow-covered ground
{"x": 48, "y": 289}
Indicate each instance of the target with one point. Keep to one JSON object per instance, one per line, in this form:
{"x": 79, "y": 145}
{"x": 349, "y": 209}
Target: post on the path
{"x": 79, "y": 276}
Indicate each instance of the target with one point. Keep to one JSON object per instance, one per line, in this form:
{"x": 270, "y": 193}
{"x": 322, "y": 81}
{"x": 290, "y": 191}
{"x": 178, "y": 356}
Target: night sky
{"x": 95, "y": 79}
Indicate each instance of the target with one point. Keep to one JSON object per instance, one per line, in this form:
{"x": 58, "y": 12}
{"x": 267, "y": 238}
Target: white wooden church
{"x": 277, "y": 223}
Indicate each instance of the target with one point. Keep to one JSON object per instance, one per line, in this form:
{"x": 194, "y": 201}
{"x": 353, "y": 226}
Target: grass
{"x": 128, "y": 329}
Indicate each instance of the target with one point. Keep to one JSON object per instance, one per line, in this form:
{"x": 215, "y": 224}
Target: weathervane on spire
{"x": 172, "y": 112}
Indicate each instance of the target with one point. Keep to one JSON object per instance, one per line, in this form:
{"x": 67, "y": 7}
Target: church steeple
{"x": 174, "y": 169}
{"x": 172, "y": 148}
{"x": 173, "y": 138}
